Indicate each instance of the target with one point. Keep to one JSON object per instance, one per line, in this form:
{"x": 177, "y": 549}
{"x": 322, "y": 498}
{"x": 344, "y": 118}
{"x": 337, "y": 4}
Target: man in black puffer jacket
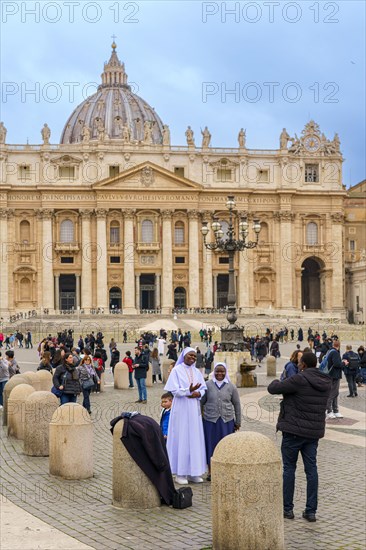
{"x": 302, "y": 423}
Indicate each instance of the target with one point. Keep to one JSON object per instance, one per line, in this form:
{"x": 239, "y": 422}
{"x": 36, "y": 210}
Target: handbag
{"x": 88, "y": 384}
{"x": 182, "y": 498}
{"x": 56, "y": 391}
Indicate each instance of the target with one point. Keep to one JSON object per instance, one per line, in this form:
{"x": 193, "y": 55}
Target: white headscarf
{"x": 226, "y": 380}
{"x": 182, "y": 356}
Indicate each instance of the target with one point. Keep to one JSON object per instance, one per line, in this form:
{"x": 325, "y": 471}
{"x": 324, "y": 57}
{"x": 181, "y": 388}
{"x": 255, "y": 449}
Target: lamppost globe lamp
{"x": 232, "y": 335}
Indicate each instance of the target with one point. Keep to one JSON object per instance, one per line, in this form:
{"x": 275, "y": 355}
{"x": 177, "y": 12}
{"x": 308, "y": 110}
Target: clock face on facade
{"x": 312, "y": 143}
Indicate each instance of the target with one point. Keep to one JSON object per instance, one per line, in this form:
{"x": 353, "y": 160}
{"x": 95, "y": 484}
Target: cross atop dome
{"x": 114, "y": 74}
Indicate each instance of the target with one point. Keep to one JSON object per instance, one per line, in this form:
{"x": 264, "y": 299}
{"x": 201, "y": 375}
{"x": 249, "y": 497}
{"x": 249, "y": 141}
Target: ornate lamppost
{"x": 232, "y": 335}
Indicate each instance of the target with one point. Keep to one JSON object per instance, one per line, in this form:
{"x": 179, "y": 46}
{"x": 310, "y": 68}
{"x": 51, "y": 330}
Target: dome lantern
{"x": 114, "y": 71}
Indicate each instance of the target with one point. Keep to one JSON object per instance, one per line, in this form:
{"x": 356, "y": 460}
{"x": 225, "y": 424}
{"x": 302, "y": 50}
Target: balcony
{"x": 67, "y": 247}
{"x": 148, "y": 247}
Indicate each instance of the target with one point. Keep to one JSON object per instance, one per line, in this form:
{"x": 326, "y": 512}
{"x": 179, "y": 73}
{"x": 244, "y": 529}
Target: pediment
{"x": 147, "y": 176}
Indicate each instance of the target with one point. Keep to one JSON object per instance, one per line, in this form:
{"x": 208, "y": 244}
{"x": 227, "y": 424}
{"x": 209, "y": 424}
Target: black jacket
{"x": 335, "y": 361}
{"x": 115, "y": 356}
{"x": 305, "y": 397}
{"x": 70, "y": 383}
{"x": 145, "y": 443}
{"x": 143, "y": 366}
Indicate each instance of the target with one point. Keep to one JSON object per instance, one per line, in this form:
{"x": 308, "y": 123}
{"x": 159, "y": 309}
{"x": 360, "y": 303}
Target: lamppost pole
{"x": 232, "y": 336}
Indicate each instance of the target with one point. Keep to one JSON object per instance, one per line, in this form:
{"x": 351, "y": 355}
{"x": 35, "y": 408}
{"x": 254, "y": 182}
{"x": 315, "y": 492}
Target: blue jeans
{"x": 290, "y": 448}
{"x": 86, "y": 399}
{"x": 2, "y": 386}
{"x": 130, "y": 379}
{"x": 141, "y": 386}
{"x": 68, "y": 398}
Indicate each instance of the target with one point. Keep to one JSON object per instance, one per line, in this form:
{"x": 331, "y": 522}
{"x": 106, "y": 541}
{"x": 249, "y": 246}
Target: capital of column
{"x": 129, "y": 213}
{"x": 193, "y": 214}
{"x": 337, "y": 217}
{"x": 285, "y": 216}
{"x": 101, "y": 213}
{"x": 85, "y": 213}
{"x": 6, "y": 213}
{"x": 206, "y": 215}
{"x": 44, "y": 213}
{"x": 166, "y": 214}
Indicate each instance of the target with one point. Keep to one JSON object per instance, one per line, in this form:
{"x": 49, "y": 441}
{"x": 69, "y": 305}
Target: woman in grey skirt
{"x": 155, "y": 364}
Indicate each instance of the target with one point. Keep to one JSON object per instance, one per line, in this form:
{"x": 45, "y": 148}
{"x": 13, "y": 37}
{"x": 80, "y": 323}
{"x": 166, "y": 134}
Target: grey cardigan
{"x": 221, "y": 403}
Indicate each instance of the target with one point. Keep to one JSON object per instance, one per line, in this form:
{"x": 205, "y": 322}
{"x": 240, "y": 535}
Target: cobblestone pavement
{"x": 83, "y": 509}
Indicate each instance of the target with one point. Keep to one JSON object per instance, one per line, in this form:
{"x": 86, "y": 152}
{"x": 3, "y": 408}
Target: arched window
{"x": 264, "y": 234}
{"x": 67, "y": 231}
{"x": 25, "y": 289}
{"x": 24, "y": 232}
{"x": 312, "y": 233}
{"x": 179, "y": 233}
{"x": 180, "y": 297}
{"x": 147, "y": 231}
{"x": 114, "y": 233}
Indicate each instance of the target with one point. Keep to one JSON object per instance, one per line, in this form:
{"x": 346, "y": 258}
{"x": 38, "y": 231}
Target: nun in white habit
{"x": 186, "y": 441}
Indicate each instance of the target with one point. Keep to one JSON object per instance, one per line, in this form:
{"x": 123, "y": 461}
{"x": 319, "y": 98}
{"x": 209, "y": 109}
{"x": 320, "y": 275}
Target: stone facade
{"x": 111, "y": 217}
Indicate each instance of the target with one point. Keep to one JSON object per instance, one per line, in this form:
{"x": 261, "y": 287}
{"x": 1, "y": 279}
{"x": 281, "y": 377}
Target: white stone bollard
{"x": 271, "y": 365}
{"x": 132, "y": 489}
{"x": 16, "y": 409}
{"x": 44, "y": 378}
{"x": 71, "y": 442}
{"x": 121, "y": 380}
{"x": 149, "y": 381}
{"x": 15, "y": 380}
{"x": 247, "y": 502}
{"x": 39, "y": 408}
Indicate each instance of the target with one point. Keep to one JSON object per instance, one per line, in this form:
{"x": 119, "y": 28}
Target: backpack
{"x": 323, "y": 367}
{"x": 353, "y": 363}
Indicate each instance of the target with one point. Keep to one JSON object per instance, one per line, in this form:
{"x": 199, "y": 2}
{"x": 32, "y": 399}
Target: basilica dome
{"x": 113, "y": 112}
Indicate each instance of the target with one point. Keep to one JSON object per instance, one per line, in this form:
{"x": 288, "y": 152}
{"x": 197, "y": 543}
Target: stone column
{"x": 102, "y": 274}
{"x": 137, "y": 292}
{"x": 215, "y": 290}
{"x": 193, "y": 261}
{"x": 167, "y": 276}
{"x": 287, "y": 260}
{"x": 207, "y": 266}
{"x": 86, "y": 261}
{"x": 337, "y": 263}
{"x": 244, "y": 275}
{"x": 77, "y": 291}
{"x": 129, "y": 264}
{"x": 157, "y": 291}
{"x": 5, "y": 251}
{"x": 47, "y": 260}
{"x": 57, "y": 292}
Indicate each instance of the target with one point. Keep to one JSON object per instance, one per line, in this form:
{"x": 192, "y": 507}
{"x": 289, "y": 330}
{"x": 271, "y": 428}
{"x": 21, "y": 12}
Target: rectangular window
{"x": 224, "y": 260}
{"x": 180, "y": 260}
{"x": 263, "y": 176}
{"x": 24, "y": 172}
{"x": 179, "y": 171}
{"x": 224, "y": 174}
{"x": 114, "y": 234}
{"x": 113, "y": 171}
{"x": 312, "y": 173}
{"x": 67, "y": 172}
{"x": 352, "y": 246}
{"x": 115, "y": 259}
{"x": 67, "y": 260}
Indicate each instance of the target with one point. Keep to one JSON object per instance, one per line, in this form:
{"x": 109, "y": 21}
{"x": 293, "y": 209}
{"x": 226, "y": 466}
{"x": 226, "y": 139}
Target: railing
{"x": 148, "y": 246}
{"x": 67, "y": 247}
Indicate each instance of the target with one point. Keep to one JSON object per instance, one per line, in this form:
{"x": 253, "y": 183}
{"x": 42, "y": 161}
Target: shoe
{"x": 138, "y": 401}
{"x": 309, "y": 516}
{"x": 144, "y": 401}
{"x": 289, "y": 515}
{"x": 208, "y": 478}
{"x": 330, "y": 415}
{"x": 89, "y": 412}
{"x": 338, "y": 415}
{"x": 356, "y": 394}
{"x": 181, "y": 480}
{"x": 350, "y": 395}
{"x": 195, "y": 479}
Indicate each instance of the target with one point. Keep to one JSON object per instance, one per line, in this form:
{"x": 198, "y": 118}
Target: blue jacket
{"x": 164, "y": 421}
{"x": 289, "y": 370}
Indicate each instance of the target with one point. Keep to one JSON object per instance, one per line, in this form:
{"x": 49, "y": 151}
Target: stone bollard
{"x": 149, "y": 381}
{"x": 247, "y": 502}
{"x": 32, "y": 379}
{"x": 121, "y": 381}
{"x": 271, "y": 366}
{"x": 39, "y": 408}
{"x": 132, "y": 489}
{"x": 14, "y": 381}
{"x": 164, "y": 370}
{"x": 71, "y": 442}
{"x": 44, "y": 379}
{"x": 16, "y": 409}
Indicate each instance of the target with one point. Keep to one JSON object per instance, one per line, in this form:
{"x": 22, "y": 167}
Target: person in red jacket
{"x": 129, "y": 363}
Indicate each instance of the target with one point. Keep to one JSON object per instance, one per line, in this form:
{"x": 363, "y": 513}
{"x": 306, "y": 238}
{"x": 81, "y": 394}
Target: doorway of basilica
{"x": 147, "y": 291}
{"x": 222, "y": 290}
{"x": 67, "y": 292}
{"x": 115, "y": 298}
{"x": 311, "y": 284}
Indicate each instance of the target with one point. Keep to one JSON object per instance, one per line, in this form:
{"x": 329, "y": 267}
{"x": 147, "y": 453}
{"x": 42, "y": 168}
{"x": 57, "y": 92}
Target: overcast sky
{"x": 284, "y": 62}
